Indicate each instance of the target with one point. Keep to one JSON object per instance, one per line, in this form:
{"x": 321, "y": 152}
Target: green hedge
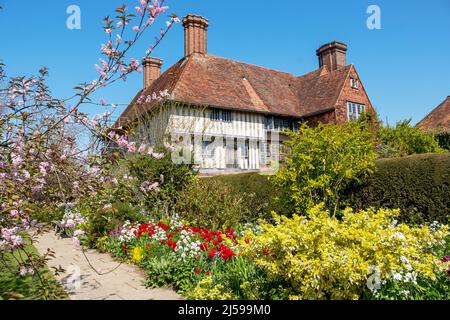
{"x": 419, "y": 185}
{"x": 258, "y": 188}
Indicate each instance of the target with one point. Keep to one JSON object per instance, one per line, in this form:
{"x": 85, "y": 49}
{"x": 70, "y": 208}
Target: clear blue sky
{"x": 405, "y": 66}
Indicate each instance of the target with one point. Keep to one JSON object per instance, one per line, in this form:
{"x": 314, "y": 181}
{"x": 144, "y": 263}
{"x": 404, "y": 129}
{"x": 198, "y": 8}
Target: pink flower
{"x": 132, "y": 147}
{"x": 136, "y": 28}
{"x": 142, "y": 148}
{"x": 158, "y": 156}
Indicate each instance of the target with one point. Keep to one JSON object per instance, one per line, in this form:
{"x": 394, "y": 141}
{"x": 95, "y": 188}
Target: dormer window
{"x": 354, "y": 83}
{"x": 354, "y": 110}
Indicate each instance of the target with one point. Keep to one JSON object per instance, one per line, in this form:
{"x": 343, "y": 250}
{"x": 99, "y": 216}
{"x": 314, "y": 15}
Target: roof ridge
{"x": 252, "y": 65}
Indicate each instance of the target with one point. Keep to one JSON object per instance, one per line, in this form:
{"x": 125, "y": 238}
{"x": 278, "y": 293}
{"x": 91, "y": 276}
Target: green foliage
{"x": 165, "y": 270}
{"x": 419, "y": 185}
{"x": 125, "y": 200}
{"x": 444, "y": 140}
{"x": 102, "y": 216}
{"x": 321, "y": 162}
{"x": 238, "y": 279}
{"x": 405, "y": 139}
{"x": 213, "y": 204}
{"x": 172, "y": 179}
{"x": 14, "y": 287}
{"x": 259, "y": 191}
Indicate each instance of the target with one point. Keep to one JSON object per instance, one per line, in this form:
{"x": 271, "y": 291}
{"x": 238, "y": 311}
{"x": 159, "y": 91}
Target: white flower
{"x": 397, "y": 276}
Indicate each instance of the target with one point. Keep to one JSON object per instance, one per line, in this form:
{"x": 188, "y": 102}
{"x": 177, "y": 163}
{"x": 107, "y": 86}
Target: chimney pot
{"x": 195, "y": 34}
{"x": 333, "y": 55}
{"x": 152, "y": 70}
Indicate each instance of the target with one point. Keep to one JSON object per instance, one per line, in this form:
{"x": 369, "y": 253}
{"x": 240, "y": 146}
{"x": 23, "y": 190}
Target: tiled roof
{"x": 437, "y": 120}
{"x": 212, "y": 81}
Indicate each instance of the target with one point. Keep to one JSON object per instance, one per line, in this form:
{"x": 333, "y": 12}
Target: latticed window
{"x": 277, "y": 123}
{"x": 354, "y": 110}
{"x": 221, "y": 115}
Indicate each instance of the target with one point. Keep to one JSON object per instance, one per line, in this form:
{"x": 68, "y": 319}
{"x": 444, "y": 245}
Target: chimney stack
{"x": 152, "y": 70}
{"x": 195, "y": 32}
{"x": 333, "y": 55}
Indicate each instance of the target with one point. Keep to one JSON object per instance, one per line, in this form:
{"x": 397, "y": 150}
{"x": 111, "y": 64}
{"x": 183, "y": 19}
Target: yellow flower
{"x": 137, "y": 255}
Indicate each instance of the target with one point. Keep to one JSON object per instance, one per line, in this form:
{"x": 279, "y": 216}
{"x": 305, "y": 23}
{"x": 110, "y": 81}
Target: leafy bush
{"x": 405, "y": 139}
{"x": 444, "y": 140}
{"x": 321, "y": 162}
{"x": 214, "y": 204}
{"x": 241, "y": 279}
{"x": 169, "y": 178}
{"x": 258, "y": 189}
{"x": 323, "y": 257}
{"x": 141, "y": 187}
{"x": 419, "y": 185}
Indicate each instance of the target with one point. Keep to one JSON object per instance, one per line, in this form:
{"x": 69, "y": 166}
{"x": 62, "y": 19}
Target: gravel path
{"x": 81, "y": 282}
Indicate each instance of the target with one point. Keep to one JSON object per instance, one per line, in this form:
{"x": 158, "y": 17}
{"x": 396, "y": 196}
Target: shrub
{"x": 169, "y": 178}
{"x": 214, "y": 205}
{"x": 208, "y": 290}
{"x": 405, "y": 139}
{"x": 321, "y": 162}
{"x": 323, "y": 257}
{"x": 444, "y": 140}
{"x": 241, "y": 279}
{"x": 258, "y": 189}
{"x": 419, "y": 185}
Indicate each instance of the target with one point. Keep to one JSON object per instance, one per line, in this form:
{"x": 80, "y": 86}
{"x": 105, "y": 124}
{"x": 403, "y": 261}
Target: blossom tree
{"x": 42, "y": 163}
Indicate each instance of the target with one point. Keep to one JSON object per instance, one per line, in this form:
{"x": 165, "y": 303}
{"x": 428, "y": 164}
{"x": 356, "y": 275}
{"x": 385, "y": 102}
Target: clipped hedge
{"x": 419, "y": 185}
{"x": 258, "y": 189}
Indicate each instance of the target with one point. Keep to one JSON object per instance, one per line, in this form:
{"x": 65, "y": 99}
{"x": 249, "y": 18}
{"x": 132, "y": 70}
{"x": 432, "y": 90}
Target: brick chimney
{"x": 333, "y": 55}
{"x": 195, "y": 32}
{"x": 152, "y": 70}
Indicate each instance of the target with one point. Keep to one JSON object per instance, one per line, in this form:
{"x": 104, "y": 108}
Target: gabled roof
{"x": 437, "y": 120}
{"x": 218, "y": 82}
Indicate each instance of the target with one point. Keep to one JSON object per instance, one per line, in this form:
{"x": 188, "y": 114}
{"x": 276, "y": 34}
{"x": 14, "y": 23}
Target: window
{"x": 226, "y": 116}
{"x": 221, "y": 115}
{"x": 246, "y": 150}
{"x": 276, "y": 123}
{"x": 354, "y": 110}
{"x": 354, "y": 83}
{"x": 215, "y": 115}
{"x": 207, "y": 149}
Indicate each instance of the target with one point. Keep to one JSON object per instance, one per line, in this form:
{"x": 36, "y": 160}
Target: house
{"x": 229, "y": 114}
{"x": 438, "y": 120}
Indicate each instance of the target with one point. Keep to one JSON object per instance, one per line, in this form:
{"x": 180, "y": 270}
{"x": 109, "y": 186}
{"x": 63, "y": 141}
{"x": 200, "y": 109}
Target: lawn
{"x": 14, "y": 287}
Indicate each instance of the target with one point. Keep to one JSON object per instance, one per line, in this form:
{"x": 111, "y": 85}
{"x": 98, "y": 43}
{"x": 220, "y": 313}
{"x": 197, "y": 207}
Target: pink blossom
{"x": 158, "y": 156}
{"x": 136, "y": 28}
{"x": 142, "y": 148}
{"x": 131, "y": 147}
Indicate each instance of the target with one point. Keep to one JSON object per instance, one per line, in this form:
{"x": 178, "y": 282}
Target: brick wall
{"x": 352, "y": 95}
